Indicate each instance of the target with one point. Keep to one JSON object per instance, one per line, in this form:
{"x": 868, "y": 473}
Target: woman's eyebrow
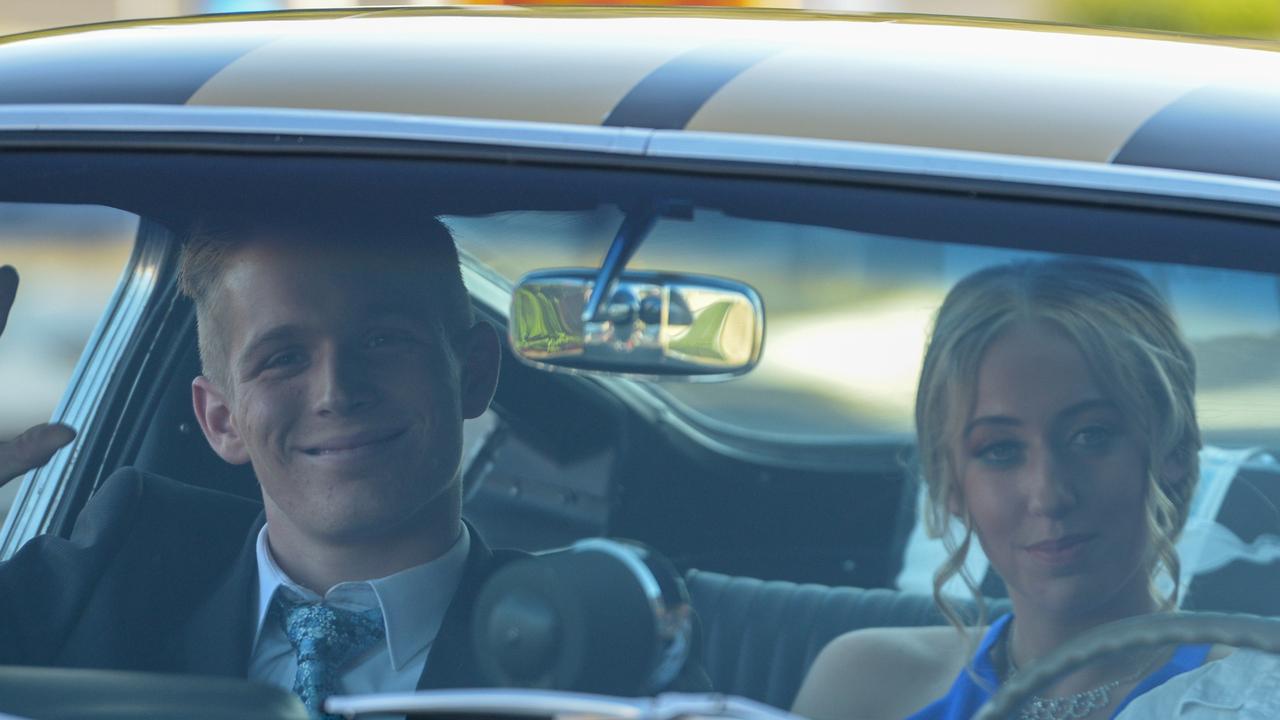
{"x": 1068, "y": 412}
{"x": 999, "y": 420}
{"x": 1086, "y": 405}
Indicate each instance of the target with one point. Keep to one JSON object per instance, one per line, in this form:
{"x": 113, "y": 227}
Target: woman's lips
{"x": 1059, "y": 551}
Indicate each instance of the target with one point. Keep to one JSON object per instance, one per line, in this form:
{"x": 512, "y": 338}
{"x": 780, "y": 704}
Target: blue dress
{"x": 967, "y": 696}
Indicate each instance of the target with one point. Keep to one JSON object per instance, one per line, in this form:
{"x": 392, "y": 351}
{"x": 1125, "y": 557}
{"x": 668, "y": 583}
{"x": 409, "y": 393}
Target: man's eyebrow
{"x": 392, "y": 312}
{"x": 275, "y": 334}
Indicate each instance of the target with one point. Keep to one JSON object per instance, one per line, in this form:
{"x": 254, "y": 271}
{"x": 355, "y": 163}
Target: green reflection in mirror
{"x": 543, "y": 330}
{"x": 653, "y": 324}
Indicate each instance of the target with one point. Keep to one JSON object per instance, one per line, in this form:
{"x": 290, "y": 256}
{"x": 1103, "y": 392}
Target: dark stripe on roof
{"x": 1213, "y": 129}
{"x": 116, "y": 66}
{"x": 668, "y": 97}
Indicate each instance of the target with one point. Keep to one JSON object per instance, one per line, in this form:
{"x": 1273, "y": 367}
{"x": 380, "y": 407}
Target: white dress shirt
{"x": 413, "y": 604}
{"x": 1244, "y": 685}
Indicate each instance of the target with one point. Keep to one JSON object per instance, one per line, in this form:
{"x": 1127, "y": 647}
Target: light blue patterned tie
{"x": 326, "y": 639}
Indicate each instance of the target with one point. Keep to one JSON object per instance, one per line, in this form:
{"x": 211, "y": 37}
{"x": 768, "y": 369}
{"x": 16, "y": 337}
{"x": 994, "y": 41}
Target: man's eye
{"x": 384, "y": 339}
{"x": 282, "y": 360}
{"x": 1000, "y": 453}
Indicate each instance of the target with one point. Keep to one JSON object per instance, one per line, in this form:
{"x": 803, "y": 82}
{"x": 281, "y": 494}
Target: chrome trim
{"x": 506, "y": 702}
{"x": 43, "y": 488}
{"x": 626, "y": 555}
{"x": 673, "y": 616}
{"x": 668, "y": 281}
{"x": 173, "y": 119}
{"x": 671, "y": 620}
{"x": 554, "y": 704}
{"x": 962, "y": 164}
{"x": 795, "y": 154}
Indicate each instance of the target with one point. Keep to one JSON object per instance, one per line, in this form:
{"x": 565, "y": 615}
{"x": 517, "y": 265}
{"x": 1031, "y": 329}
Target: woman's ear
{"x": 1174, "y": 469}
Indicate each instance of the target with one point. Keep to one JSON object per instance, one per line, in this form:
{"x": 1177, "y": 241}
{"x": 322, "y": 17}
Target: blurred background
{"x": 1245, "y": 18}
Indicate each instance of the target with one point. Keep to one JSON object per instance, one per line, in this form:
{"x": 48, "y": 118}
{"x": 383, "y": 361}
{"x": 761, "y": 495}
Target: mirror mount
{"x": 636, "y": 225}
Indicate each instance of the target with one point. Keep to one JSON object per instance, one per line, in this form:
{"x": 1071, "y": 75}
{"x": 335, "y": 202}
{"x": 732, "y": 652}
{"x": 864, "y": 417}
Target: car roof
{"x": 1025, "y": 89}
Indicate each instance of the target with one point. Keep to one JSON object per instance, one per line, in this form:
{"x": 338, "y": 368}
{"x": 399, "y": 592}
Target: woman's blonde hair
{"x": 1136, "y": 353}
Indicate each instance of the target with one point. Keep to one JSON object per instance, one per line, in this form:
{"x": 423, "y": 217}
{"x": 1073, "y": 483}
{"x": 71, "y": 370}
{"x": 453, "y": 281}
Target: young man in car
{"x": 342, "y": 371}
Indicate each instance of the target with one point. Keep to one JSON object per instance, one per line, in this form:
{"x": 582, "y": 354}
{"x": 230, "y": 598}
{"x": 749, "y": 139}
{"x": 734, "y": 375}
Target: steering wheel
{"x": 1143, "y": 631}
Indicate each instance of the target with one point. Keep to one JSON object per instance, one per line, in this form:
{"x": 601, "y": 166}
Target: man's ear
{"x": 478, "y": 372}
{"x": 214, "y": 415}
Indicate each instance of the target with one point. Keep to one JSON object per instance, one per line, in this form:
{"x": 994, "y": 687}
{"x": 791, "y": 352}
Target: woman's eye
{"x": 1000, "y": 453}
{"x": 1093, "y": 437}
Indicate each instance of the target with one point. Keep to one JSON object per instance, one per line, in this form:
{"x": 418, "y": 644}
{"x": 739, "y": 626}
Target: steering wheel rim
{"x": 1144, "y": 631}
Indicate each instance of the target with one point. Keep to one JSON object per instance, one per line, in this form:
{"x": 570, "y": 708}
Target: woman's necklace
{"x": 1068, "y": 707}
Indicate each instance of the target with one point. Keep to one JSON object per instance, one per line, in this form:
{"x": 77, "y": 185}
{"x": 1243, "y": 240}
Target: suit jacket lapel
{"x": 218, "y": 637}
{"x": 451, "y": 662}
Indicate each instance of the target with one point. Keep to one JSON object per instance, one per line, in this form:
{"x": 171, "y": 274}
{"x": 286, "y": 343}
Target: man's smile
{"x": 353, "y": 444}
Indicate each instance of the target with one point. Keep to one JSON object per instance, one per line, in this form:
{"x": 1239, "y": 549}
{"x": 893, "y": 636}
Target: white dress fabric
{"x": 1244, "y": 685}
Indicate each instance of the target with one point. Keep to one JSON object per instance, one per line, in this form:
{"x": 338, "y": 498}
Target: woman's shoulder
{"x": 883, "y": 672}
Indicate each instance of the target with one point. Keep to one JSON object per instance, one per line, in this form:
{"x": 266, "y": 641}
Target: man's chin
{"x": 364, "y": 518}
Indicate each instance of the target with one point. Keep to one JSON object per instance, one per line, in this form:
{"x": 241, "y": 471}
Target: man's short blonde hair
{"x": 425, "y": 246}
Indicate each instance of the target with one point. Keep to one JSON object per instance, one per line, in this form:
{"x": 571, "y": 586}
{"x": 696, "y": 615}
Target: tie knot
{"x": 331, "y": 634}
{"x": 326, "y": 639}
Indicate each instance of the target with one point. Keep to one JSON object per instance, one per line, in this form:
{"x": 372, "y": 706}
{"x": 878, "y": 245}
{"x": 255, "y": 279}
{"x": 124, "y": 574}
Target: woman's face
{"x": 1053, "y": 478}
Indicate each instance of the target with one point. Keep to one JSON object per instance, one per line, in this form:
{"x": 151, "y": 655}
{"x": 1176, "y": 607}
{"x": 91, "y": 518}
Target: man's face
{"x": 345, "y": 390}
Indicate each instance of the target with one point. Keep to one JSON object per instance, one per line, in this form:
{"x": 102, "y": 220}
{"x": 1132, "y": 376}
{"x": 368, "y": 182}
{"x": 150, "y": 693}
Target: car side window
{"x": 69, "y": 258}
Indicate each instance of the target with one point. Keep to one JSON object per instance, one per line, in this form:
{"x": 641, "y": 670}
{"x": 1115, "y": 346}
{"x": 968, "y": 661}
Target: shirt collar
{"x": 413, "y": 601}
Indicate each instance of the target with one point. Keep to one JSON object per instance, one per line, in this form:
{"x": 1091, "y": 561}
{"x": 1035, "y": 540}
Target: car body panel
{"x": 1070, "y": 93}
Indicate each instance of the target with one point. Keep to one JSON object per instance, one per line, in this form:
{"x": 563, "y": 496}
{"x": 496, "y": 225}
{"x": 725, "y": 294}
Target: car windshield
{"x": 849, "y": 313}
{"x": 804, "y": 470}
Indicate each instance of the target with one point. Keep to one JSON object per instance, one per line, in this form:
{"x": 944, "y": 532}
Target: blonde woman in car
{"x": 1056, "y": 424}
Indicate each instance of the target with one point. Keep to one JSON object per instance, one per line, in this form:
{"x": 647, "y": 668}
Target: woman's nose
{"x": 1051, "y": 489}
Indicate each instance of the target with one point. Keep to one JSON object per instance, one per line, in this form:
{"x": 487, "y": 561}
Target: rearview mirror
{"x": 651, "y": 324}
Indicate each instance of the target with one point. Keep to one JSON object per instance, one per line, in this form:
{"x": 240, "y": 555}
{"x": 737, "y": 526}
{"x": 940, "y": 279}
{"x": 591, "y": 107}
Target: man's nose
{"x": 1052, "y": 489}
{"x": 343, "y": 383}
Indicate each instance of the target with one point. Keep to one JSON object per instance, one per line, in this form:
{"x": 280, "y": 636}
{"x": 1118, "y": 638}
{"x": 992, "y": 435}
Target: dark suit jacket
{"x": 159, "y": 576}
